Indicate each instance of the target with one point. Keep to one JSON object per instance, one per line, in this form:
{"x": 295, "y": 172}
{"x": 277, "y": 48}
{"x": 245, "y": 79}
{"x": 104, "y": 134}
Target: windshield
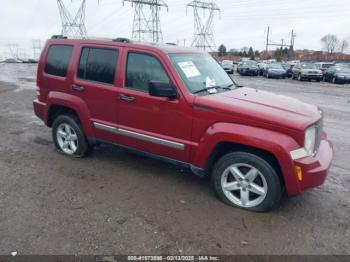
{"x": 250, "y": 63}
{"x": 200, "y": 70}
{"x": 343, "y": 70}
{"x": 308, "y": 66}
{"x": 276, "y": 66}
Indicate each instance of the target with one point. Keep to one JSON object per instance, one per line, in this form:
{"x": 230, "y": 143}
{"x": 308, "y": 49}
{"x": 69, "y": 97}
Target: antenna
{"x": 203, "y": 37}
{"x": 73, "y": 27}
{"x": 147, "y": 27}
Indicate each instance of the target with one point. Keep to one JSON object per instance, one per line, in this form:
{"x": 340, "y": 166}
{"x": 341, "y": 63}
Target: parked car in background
{"x": 337, "y": 74}
{"x": 323, "y": 66}
{"x": 289, "y": 69}
{"x": 307, "y": 71}
{"x": 228, "y": 66}
{"x": 248, "y": 68}
{"x": 275, "y": 70}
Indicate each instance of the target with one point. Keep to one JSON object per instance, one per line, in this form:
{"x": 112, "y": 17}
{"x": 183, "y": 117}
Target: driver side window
{"x": 141, "y": 69}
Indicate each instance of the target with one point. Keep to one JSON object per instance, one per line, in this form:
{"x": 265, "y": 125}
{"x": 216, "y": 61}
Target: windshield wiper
{"x": 206, "y": 89}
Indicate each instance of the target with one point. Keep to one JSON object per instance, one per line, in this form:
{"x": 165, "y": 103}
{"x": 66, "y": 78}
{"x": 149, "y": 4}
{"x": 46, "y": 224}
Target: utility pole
{"x": 292, "y": 39}
{"x": 73, "y": 26}
{"x": 203, "y": 37}
{"x": 147, "y": 27}
{"x": 267, "y": 41}
{"x": 282, "y": 45}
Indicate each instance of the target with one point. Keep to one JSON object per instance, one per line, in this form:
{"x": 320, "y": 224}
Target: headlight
{"x": 310, "y": 138}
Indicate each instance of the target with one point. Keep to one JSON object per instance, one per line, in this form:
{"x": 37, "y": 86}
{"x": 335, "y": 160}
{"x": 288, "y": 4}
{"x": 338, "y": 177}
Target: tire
{"x": 69, "y": 137}
{"x": 267, "y": 182}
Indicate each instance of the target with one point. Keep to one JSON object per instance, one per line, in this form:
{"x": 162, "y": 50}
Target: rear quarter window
{"x": 58, "y": 60}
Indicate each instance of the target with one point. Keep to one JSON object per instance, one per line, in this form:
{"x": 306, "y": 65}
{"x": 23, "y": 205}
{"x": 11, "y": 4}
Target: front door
{"x": 152, "y": 124}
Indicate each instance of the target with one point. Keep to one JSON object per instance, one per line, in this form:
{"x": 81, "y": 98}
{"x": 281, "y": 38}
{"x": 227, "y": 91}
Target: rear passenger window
{"x": 141, "y": 69}
{"x": 98, "y": 64}
{"x": 58, "y": 60}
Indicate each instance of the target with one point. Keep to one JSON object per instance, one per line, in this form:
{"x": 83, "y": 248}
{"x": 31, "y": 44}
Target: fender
{"x": 276, "y": 143}
{"x": 75, "y": 103}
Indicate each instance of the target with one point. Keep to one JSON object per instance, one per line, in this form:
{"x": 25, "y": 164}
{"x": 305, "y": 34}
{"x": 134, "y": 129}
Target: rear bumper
{"x": 40, "y": 110}
{"x": 315, "y": 168}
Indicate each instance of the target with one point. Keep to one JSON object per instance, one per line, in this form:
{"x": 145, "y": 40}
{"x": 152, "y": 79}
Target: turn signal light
{"x": 299, "y": 173}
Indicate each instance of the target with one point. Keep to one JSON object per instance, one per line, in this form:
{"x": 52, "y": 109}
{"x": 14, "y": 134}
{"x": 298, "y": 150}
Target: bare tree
{"x": 330, "y": 43}
{"x": 344, "y": 44}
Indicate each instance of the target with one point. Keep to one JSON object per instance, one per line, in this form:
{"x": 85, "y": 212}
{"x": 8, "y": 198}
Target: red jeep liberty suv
{"x": 179, "y": 105}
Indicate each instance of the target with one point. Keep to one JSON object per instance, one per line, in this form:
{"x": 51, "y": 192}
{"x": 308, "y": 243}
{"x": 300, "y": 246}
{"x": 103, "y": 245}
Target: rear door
{"x": 95, "y": 82}
{"x": 152, "y": 124}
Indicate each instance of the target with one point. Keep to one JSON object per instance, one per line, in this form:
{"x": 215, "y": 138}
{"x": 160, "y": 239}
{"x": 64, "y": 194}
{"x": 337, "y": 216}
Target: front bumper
{"x": 315, "y": 168}
{"x": 343, "y": 80}
{"x": 229, "y": 70}
{"x": 315, "y": 77}
{"x": 250, "y": 72}
{"x": 277, "y": 75}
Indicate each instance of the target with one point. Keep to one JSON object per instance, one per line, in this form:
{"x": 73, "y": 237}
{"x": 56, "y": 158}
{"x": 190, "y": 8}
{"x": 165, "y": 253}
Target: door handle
{"x": 126, "y": 98}
{"x": 77, "y": 88}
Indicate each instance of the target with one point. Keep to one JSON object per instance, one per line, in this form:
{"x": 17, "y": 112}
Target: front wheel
{"x": 247, "y": 181}
{"x": 69, "y": 137}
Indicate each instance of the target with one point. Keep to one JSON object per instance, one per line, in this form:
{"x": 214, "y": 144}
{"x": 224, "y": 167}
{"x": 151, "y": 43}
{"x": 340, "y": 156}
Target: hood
{"x": 260, "y": 108}
{"x": 343, "y": 74}
{"x": 277, "y": 70}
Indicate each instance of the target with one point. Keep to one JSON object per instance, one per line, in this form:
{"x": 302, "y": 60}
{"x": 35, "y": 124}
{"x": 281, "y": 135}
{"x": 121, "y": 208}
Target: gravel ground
{"x": 115, "y": 202}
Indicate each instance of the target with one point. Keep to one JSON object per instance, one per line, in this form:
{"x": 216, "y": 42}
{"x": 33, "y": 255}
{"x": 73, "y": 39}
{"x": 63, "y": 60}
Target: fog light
{"x": 299, "y": 173}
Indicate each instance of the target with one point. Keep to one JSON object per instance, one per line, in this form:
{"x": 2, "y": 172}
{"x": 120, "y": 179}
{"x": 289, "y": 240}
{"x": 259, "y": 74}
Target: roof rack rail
{"x": 122, "y": 40}
{"x": 58, "y": 37}
{"x": 170, "y": 43}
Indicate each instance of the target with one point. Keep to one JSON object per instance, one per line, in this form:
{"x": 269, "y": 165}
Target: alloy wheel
{"x": 244, "y": 185}
{"x": 67, "y": 138}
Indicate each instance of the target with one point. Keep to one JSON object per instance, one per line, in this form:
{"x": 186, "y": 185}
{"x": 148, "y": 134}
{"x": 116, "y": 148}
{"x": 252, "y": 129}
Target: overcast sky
{"x": 241, "y": 23}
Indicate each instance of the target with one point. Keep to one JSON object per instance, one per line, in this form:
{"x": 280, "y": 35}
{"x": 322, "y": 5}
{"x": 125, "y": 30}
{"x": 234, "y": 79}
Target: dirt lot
{"x": 116, "y": 202}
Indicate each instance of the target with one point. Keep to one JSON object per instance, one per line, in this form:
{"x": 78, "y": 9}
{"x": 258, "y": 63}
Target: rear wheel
{"x": 69, "y": 137}
{"x": 247, "y": 181}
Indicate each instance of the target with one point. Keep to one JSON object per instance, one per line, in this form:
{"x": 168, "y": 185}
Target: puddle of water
{"x": 21, "y": 75}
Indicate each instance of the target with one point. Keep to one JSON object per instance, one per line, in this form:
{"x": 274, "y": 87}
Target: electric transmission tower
{"x": 203, "y": 37}
{"x": 73, "y": 26}
{"x": 36, "y": 44}
{"x": 146, "y": 25}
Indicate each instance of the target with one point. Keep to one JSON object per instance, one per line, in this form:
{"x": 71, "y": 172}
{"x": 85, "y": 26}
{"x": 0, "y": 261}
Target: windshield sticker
{"x": 210, "y": 82}
{"x": 189, "y": 69}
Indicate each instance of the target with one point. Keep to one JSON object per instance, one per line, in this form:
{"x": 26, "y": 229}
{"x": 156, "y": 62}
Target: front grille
{"x": 319, "y": 128}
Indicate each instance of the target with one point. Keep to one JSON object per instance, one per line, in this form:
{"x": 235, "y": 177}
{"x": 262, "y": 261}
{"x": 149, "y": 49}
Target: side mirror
{"x": 162, "y": 89}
